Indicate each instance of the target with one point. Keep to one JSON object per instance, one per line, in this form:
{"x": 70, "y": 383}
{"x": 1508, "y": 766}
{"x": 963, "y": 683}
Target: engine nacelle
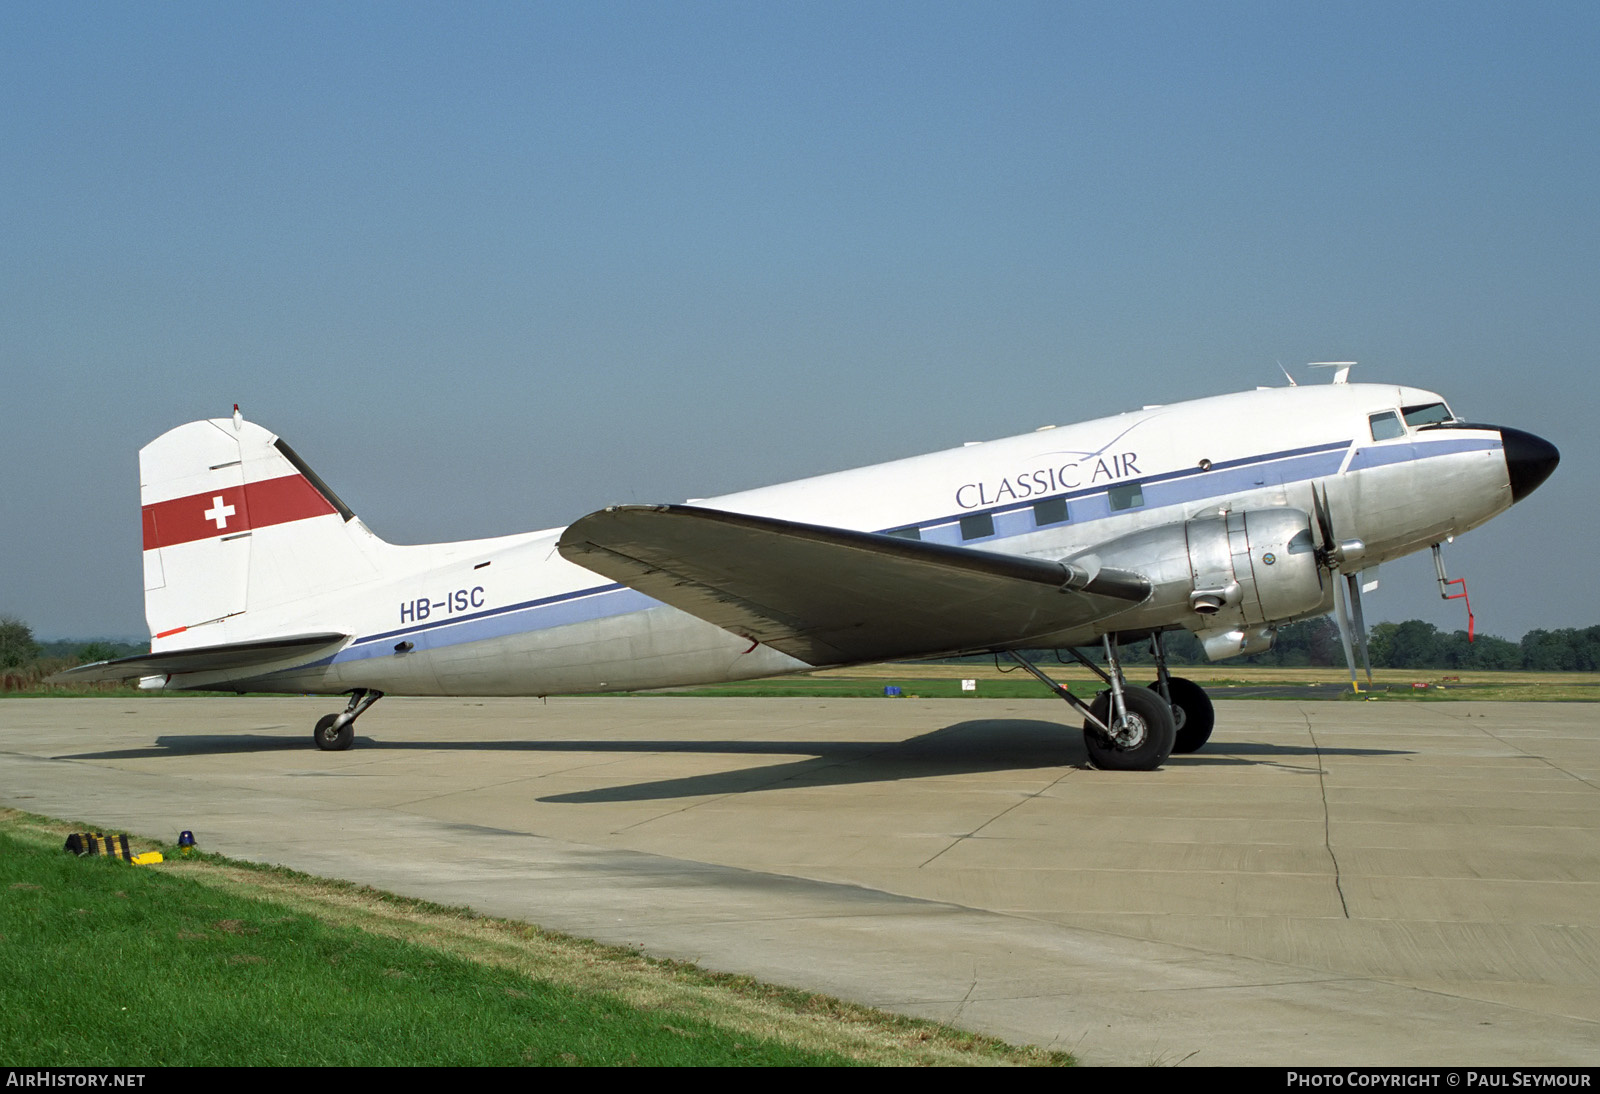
{"x": 1254, "y": 567}
{"x": 1239, "y": 574}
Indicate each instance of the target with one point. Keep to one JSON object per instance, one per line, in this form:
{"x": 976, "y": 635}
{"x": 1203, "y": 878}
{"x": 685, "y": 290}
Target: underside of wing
{"x": 832, "y": 596}
{"x": 240, "y": 656}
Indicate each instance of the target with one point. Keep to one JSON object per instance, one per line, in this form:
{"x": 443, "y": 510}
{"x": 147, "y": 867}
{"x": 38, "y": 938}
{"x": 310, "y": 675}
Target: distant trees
{"x": 98, "y": 651}
{"x": 1415, "y": 644}
{"x": 1310, "y": 642}
{"x": 77, "y": 651}
{"x": 1568, "y": 649}
{"x": 1418, "y": 645}
{"x": 17, "y": 647}
{"x": 25, "y": 661}
{"x": 1412, "y": 644}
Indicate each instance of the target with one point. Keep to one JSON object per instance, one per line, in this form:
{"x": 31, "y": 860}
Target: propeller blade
{"x": 1319, "y": 502}
{"x": 1341, "y": 598}
{"x": 1347, "y": 594}
{"x": 1354, "y": 581}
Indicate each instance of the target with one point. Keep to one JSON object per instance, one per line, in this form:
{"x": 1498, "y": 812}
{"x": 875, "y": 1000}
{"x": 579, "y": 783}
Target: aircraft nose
{"x": 1529, "y": 460}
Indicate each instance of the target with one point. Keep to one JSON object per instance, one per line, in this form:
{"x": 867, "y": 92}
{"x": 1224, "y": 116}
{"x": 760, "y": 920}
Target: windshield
{"x": 1427, "y": 414}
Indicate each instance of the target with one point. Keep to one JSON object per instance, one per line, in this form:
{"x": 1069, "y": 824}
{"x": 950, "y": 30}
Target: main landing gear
{"x": 1192, "y": 713}
{"x": 1129, "y": 728}
{"x": 337, "y": 732}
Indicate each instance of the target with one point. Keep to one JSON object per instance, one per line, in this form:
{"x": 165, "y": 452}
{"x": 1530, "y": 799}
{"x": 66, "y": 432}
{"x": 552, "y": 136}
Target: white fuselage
{"x": 509, "y": 616}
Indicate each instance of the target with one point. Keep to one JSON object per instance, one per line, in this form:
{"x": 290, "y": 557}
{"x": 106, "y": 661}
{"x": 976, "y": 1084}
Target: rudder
{"x": 236, "y": 525}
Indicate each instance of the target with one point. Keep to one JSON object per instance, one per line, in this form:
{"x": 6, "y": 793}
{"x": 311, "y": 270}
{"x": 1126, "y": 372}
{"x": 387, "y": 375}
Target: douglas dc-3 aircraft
{"x": 1227, "y": 516}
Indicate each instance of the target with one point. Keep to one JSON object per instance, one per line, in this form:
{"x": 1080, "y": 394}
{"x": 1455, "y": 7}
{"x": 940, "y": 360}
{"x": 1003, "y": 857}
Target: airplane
{"x": 1226, "y": 516}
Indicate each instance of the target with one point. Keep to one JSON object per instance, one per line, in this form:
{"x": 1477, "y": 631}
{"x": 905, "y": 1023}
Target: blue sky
{"x": 489, "y": 267}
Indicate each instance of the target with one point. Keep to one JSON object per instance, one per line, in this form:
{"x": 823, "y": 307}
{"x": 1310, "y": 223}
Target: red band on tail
{"x": 230, "y": 510}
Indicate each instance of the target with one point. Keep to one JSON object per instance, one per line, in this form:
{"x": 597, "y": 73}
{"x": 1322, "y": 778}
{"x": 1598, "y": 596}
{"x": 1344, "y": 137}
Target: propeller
{"x": 1341, "y": 558}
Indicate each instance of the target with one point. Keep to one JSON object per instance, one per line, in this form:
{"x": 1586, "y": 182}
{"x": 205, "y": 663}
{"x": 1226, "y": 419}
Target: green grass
{"x": 208, "y": 963}
{"x": 105, "y": 691}
{"x": 1554, "y": 692}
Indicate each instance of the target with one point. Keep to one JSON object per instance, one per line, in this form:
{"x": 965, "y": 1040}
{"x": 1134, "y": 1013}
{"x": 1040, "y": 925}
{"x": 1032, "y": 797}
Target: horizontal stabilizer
{"x": 231, "y": 656}
{"x": 834, "y": 596}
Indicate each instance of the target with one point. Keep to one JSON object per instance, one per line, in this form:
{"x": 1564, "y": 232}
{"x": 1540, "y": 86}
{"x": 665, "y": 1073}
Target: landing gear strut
{"x": 1125, "y": 728}
{"x": 337, "y": 732}
{"x": 1192, "y": 712}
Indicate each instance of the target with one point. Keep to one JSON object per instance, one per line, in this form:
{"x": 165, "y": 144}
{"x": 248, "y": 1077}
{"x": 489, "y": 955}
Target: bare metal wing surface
{"x": 832, "y": 596}
{"x": 232, "y": 656}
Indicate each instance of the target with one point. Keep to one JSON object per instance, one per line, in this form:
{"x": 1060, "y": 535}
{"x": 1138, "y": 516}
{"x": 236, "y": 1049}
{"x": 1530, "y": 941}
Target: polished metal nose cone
{"x": 1529, "y": 460}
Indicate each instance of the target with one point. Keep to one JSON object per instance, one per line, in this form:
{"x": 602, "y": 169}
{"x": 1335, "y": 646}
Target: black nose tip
{"x": 1529, "y": 460}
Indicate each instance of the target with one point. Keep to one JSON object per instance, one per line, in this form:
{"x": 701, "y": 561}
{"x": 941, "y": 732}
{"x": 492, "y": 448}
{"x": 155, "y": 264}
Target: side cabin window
{"x": 1129, "y": 495}
{"x": 912, "y": 532}
{"x": 977, "y": 526}
{"x": 1386, "y": 426}
{"x": 1049, "y": 511}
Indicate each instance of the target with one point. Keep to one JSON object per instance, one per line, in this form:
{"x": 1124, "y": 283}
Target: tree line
{"x": 1413, "y": 644}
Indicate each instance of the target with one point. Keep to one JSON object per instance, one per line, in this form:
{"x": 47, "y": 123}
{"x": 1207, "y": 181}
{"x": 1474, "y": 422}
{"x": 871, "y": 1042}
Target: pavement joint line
{"x": 1535, "y": 756}
{"x": 664, "y": 814}
{"x": 477, "y": 788}
{"x": 1018, "y": 804}
{"x": 962, "y": 1005}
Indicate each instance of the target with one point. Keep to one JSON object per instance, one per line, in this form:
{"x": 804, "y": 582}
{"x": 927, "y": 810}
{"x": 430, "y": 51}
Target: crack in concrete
{"x": 1327, "y": 818}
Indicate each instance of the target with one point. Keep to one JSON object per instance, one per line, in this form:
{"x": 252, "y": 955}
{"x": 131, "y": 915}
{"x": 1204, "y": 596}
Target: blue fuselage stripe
{"x": 1013, "y": 519}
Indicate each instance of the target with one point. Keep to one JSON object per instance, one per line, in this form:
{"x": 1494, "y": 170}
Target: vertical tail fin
{"x": 235, "y": 525}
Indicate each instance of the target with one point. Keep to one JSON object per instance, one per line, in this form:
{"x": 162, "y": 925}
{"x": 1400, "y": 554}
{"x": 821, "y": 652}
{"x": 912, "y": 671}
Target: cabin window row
{"x": 1050, "y": 511}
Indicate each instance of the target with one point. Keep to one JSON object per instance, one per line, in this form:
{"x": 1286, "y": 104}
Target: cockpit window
{"x": 1427, "y": 414}
{"x": 1386, "y": 426}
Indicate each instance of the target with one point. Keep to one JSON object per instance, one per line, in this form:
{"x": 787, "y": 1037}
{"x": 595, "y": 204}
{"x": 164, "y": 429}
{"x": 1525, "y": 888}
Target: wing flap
{"x": 832, "y": 595}
{"x": 228, "y": 656}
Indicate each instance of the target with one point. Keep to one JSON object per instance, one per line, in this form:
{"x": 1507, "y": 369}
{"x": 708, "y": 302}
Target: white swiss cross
{"x": 219, "y": 513}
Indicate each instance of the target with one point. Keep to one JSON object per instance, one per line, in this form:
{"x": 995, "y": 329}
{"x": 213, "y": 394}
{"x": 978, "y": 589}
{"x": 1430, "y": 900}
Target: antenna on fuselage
{"x": 1286, "y": 375}
{"x": 1340, "y": 377}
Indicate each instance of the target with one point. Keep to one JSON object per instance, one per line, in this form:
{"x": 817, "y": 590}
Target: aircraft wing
{"x": 831, "y": 596}
{"x": 233, "y": 655}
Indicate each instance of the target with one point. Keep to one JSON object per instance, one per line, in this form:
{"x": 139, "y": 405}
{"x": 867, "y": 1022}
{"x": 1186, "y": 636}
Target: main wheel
{"x": 332, "y": 737}
{"x": 1140, "y": 742}
{"x": 1192, "y": 712}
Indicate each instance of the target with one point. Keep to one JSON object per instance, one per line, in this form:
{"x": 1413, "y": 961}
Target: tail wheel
{"x": 1140, "y": 742}
{"x": 1192, "y": 713}
{"x": 331, "y": 736}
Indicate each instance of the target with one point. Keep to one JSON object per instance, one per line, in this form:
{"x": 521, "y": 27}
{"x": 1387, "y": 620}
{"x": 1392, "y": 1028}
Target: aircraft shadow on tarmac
{"x": 960, "y": 749}
{"x": 198, "y": 744}
{"x": 964, "y": 748}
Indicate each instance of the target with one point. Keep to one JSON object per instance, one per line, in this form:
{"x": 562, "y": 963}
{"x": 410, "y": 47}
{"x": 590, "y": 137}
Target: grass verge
{"x": 206, "y": 962}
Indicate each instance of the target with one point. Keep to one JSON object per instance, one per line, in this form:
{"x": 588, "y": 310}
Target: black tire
{"x": 1192, "y": 713}
{"x": 1151, "y": 726}
{"x": 330, "y": 739}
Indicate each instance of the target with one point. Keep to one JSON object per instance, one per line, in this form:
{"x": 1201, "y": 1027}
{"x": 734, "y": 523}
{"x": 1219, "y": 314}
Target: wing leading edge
{"x": 832, "y": 596}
